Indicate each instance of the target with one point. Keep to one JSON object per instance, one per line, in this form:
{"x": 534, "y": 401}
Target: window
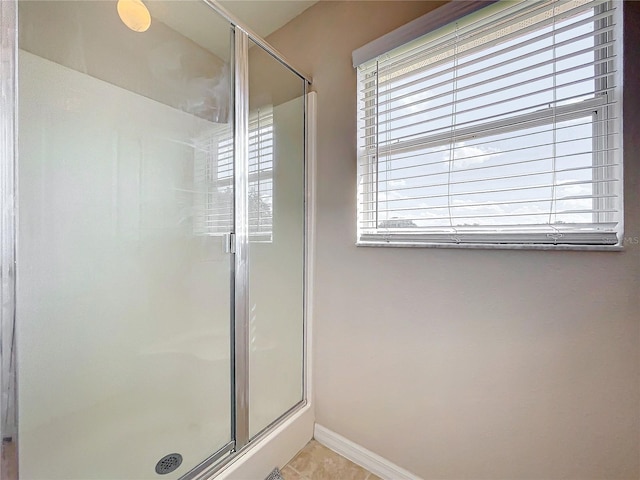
{"x": 499, "y": 128}
{"x": 214, "y": 179}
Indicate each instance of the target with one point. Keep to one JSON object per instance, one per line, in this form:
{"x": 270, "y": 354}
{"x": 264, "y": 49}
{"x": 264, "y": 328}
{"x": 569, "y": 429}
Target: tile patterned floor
{"x": 8, "y": 466}
{"x": 313, "y": 462}
{"x": 317, "y": 462}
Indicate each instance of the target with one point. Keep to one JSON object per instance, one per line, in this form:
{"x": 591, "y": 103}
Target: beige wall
{"x": 465, "y": 363}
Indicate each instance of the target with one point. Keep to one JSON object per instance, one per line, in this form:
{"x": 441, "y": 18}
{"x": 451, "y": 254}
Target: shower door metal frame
{"x": 239, "y": 302}
{"x": 257, "y": 39}
{"x": 241, "y": 226}
{"x": 8, "y": 244}
{"x": 240, "y": 240}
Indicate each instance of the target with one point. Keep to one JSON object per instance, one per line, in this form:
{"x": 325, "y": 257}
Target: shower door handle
{"x": 230, "y": 243}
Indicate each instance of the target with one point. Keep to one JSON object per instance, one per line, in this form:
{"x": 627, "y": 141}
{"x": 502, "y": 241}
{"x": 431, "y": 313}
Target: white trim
{"x": 312, "y": 109}
{"x": 618, "y": 99}
{"x": 491, "y": 246}
{"x": 365, "y": 458}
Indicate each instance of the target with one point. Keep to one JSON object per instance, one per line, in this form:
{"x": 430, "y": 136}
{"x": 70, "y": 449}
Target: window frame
{"x": 522, "y": 237}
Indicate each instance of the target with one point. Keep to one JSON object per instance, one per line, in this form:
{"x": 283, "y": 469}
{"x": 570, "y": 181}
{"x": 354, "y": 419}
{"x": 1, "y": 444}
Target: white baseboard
{"x": 361, "y": 456}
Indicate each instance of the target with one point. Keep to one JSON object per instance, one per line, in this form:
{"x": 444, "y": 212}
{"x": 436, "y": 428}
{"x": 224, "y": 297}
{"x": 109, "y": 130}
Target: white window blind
{"x": 214, "y": 179}
{"x": 500, "y": 128}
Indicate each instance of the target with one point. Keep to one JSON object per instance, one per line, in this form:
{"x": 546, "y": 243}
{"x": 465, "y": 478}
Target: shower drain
{"x": 168, "y": 463}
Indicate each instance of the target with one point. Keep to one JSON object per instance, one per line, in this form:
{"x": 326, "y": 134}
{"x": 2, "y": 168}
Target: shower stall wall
{"x": 154, "y": 226}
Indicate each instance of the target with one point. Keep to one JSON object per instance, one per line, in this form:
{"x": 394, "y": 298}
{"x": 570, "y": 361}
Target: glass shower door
{"x": 123, "y": 283}
{"x": 276, "y": 239}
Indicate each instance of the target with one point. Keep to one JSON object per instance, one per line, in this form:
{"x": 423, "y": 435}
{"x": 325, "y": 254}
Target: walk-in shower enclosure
{"x": 153, "y": 239}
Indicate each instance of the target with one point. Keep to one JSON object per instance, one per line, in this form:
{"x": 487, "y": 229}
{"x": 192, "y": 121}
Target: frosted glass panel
{"x": 276, "y": 252}
{"x": 123, "y": 297}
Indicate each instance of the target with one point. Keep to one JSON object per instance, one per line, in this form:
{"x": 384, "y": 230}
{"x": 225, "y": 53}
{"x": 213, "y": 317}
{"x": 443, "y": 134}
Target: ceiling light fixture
{"x": 134, "y": 14}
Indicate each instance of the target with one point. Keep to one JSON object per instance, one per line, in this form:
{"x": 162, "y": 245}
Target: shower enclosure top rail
{"x": 257, "y": 39}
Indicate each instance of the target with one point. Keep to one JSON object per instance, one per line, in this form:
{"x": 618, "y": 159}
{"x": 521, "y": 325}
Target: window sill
{"x": 491, "y": 246}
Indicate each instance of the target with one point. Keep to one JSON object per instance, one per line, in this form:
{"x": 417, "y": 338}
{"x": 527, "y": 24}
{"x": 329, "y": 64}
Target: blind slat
{"x": 508, "y": 50}
{"x": 419, "y": 58}
{"x": 503, "y": 215}
{"x": 398, "y": 160}
{"x": 459, "y": 170}
{"x": 392, "y": 153}
{"x": 542, "y": 106}
{"x": 384, "y": 100}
